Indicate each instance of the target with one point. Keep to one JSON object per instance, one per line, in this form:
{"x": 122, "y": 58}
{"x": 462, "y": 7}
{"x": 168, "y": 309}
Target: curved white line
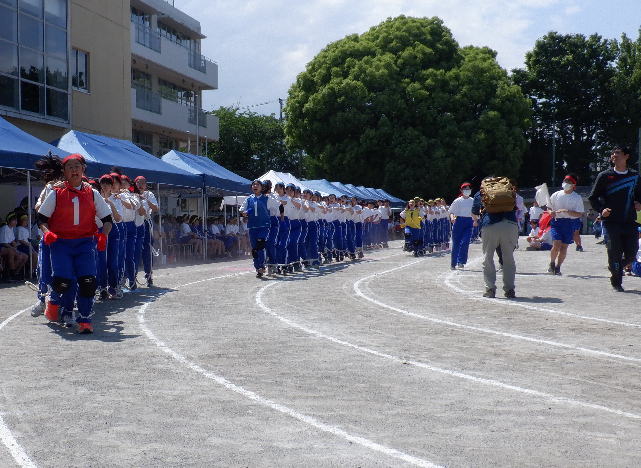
{"x": 448, "y": 282}
{"x": 276, "y": 406}
{"x": 451, "y": 373}
{"x": 15, "y": 449}
{"x": 489, "y": 331}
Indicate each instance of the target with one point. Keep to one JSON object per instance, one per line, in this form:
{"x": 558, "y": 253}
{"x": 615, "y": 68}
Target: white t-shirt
{"x": 385, "y": 212}
{"x": 129, "y": 214}
{"x": 185, "y": 230}
{"x": 117, "y": 204}
{"x": 22, "y": 233}
{"x": 214, "y": 229}
{"x": 149, "y": 196}
{"x": 569, "y": 201}
{"x": 7, "y": 236}
{"x": 535, "y": 212}
{"x": 462, "y": 207}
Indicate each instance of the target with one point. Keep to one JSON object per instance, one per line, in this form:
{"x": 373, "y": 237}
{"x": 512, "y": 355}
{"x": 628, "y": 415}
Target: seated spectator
{"x": 23, "y": 241}
{"x": 187, "y": 236}
{"x": 12, "y": 258}
{"x": 540, "y": 237}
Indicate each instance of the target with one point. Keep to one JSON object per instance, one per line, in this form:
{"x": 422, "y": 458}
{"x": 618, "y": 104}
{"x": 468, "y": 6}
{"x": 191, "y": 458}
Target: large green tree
{"x": 569, "y": 79}
{"x": 402, "y": 106}
{"x": 250, "y": 144}
{"x": 626, "y": 121}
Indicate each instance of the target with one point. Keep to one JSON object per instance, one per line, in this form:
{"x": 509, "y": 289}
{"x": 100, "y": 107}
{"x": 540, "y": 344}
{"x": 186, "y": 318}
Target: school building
{"x": 128, "y": 69}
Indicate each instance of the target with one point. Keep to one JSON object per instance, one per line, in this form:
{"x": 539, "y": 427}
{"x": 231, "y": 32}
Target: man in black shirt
{"x": 616, "y": 195}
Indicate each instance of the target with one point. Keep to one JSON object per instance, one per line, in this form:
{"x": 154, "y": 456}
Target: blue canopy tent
{"x": 346, "y": 190}
{"x": 386, "y": 196}
{"x": 216, "y": 176}
{"x": 124, "y": 154}
{"x": 359, "y": 192}
{"x": 20, "y": 150}
{"x": 325, "y": 187}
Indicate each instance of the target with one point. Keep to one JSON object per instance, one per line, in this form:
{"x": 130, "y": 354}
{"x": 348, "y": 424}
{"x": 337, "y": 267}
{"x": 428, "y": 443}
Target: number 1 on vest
{"x": 76, "y": 211}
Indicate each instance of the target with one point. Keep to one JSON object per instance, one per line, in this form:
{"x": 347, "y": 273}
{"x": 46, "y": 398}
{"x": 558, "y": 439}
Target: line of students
{"x": 427, "y": 227}
{"x": 289, "y": 229}
{"x": 94, "y": 235}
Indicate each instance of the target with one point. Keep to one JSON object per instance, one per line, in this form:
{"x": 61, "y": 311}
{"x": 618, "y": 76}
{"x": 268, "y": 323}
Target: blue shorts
{"x": 578, "y": 224}
{"x": 563, "y": 230}
{"x": 545, "y": 246}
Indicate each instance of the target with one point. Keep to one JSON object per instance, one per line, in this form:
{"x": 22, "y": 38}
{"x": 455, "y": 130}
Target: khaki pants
{"x": 503, "y": 234}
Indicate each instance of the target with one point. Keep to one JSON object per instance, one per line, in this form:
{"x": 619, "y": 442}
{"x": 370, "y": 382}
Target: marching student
{"x": 294, "y": 214}
{"x": 111, "y": 253}
{"x": 358, "y": 227}
{"x": 412, "y": 219}
{"x": 151, "y": 206}
{"x": 565, "y": 207}
{"x": 115, "y": 236}
{"x": 460, "y": 212}
{"x": 385, "y": 214}
{"x": 256, "y": 209}
{"x": 616, "y": 196}
{"x": 282, "y": 239}
{"x": 304, "y": 208}
{"x": 130, "y": 204}
{"x": 275, "y": 210}
{"x": 67, "y": 220}
{"x": 311, "y": 241}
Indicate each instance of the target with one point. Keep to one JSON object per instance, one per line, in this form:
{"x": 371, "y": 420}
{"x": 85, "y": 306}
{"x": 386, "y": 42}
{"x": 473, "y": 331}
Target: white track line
{"x": 15, "y": 449}
{"x": 556, "y": 344}
{"x": 451, "y": 373}
{"x": 448, "y": 282}
{"x": 276, "y": 406}
{"x": 230, "y": 275}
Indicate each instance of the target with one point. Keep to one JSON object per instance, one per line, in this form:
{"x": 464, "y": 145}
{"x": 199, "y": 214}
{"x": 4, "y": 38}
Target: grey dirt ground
{"x": 391, "y": 361}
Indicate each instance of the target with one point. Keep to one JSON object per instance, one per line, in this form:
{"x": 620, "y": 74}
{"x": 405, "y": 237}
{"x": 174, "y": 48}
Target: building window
{"x": 140, "y": 79}
{"x": 80, "y": 70}
{"x": 34, "y": 63}
{"x": 142, "y": 140}
{"x": 8, "y": 24}
{"x": 173, "y": 92}
{"x": 166, "y": 144}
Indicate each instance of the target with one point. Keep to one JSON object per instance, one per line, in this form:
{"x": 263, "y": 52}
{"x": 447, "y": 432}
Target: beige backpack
{"x": 497, "y": 195}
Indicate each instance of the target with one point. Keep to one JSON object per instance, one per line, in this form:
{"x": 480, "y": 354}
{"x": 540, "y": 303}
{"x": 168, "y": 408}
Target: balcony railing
{"x": 197, "y": 61}
{"x": 202, "y": 117}
{"x": 147, "y": 100}
{"x": 147, "y": 37}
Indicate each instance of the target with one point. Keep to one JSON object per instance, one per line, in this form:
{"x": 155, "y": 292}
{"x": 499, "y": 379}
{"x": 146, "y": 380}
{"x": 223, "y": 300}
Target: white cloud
{"x": 261, "y": 45}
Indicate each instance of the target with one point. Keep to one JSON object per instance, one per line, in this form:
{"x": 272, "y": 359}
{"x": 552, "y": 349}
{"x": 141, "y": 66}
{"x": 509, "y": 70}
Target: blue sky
{"x": 261, "y": 45}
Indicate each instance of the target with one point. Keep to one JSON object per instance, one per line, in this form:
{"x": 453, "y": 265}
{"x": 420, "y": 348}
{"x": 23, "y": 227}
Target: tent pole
{"x": 159, "y": 220}
{"x": 30, "y": 222}
{"x": 238, "y": 222}
{"x": 202, "y": 200}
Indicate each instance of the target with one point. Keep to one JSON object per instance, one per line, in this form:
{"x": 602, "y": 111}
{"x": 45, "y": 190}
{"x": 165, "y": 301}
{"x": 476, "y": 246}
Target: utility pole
{"x": 197, "y": 125}
{"x": 280, "y": 102}
{"x": 554, "y": 156}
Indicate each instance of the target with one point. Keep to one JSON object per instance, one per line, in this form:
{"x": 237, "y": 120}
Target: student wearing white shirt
{"x": 294, "y": 213}
{"x": 146, "y": 241}
{"x": 302, "y": 239}
{"x": 358, "y": 227}
{"x": 565, "y": 206}
{"x": 386, "y": 214}
{"x": 311, "y": 242}
{"x": 460, "y": 212}
{"x": 15, "y": 259}
{"x": 131, "y": 204}
{"x": 535, "y": 212}
{"x": 23, "y": 240}
{"x": 283, "y": 227}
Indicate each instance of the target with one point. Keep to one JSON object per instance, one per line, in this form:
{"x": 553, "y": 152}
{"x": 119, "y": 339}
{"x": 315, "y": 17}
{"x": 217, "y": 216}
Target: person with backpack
{"x": 495, "y": 205}
{"x": 616, "y": 195}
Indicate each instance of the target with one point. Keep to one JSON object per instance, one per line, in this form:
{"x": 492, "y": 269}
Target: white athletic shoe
{"x": 37, "y": 309}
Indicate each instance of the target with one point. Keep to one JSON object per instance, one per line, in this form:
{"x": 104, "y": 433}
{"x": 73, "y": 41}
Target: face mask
{"x": 566, "y": 186}
{"x": 466, "y": 192}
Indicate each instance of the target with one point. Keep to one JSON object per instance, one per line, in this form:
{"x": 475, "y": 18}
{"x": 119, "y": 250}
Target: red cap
{"x": 106, "y": 177}
{"x": 75, "y": 156}
{"x": 115, "y": 175}
{"x": 124, "y": 177}
{"x": 466, "y": 184}
{"x": 140, "y": 178}
{"x": 570, "y": 178}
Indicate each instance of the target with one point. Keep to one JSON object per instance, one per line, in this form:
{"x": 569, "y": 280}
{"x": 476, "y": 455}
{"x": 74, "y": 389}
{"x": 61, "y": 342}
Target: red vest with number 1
{"x": 75, "y": 213}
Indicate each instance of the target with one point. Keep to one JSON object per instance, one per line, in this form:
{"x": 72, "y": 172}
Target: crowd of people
{"x": 95, "y": 235}
{"x": 291, "y": 229}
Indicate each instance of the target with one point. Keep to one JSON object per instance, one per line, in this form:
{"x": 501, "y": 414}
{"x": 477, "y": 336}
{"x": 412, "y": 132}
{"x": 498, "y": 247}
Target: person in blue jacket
{"x": 256, "y": 210}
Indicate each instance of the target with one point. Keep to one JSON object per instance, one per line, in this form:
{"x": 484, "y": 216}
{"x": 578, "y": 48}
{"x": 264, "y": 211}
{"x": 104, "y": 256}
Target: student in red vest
{"x": 67, "y": 220}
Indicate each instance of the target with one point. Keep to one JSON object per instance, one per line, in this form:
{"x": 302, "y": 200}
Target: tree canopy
{"x": 569, "y": 79}
{"x": 404, "y": 107}
{"x": 250, "y": 144}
